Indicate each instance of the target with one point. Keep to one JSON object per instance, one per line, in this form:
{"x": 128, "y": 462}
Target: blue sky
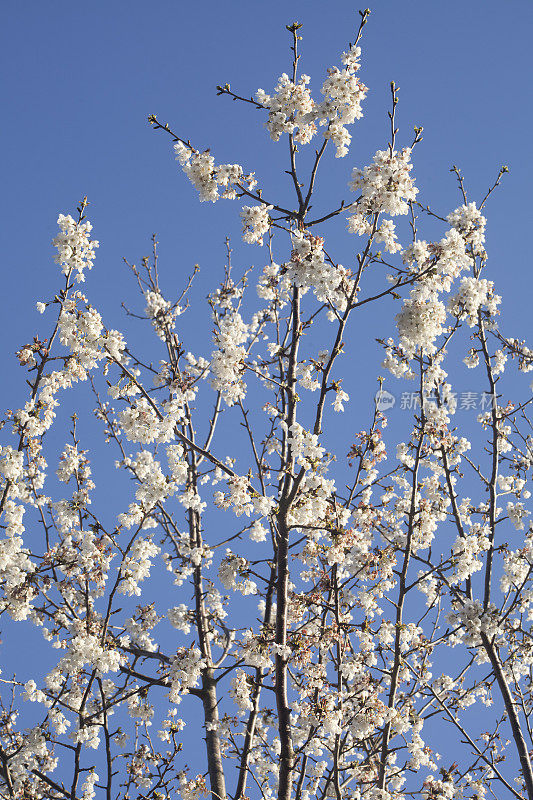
{"x": 80, "y": 81}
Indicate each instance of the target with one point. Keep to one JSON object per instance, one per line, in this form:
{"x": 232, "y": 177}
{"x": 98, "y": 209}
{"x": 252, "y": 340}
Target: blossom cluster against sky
{"x": 82, "y": 81}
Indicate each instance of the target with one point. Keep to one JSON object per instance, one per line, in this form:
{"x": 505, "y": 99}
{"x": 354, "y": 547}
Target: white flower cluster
{"x": 137, "y": 565}
{"x": 423, "y": 314}
{"x": 31, "y": 753}
{"x": 240, "y": 691}
{"x": 73, "y": 462}
{"x": 471, "y": 296}
{"x": 343, "y": 94}
{"x": 139, "y": 708}
{"x": 314, "y": 508}
{"x": 32, "y": 694}
{"x": 37, "y": 414}
{"x": 87, "y": 790}
{"x": 11, "y": 464}
{"x": 369, "y": 714}
{"x": 139, "y": 626}
{"x": 185, "y": 671}
{"x": 472, "y": 620}
{"x": 233, "y": 567}
{"x": 239, "y": 497}
{"x": 290, "y": 109}
{"x": 499, "y": 361}
{"x": 83, "y": 333}
{"x": 517, "y": 513}
{"x": 226, "y": 294}
{"x": 516, "y": 571}
{"x": 472, "y": 359}
{"x": 190, "y": 556}
{"x": 341, "y": 397}
{"x": 227, "y": 362}
{"x": 255, "y": 223}
{"x": 75, "y": 247}
{"x": 180, "y": 618}
{"x": 524, "y": 354}
{"x": 421, "y": 320}
{"x": 386, "y": 187}
{"x": 308, "y": 269}
{"x": 193, "y": 789}
{"x": 386, "y": 233}
{"x": 470, "y": 223}
{"x": 177, "y": 464}
{"x": 308, "y": 375}
{"x": 191, "y": 499}
{"x": 141, "y": 422}
{"x": 258, "y": 532}
{"x": 304, "y": 445}
{"x": 153, "y": 487}
{"x": 208, "y": 178}
{"x": 254, "y": 651}
{"x": 15, "y": 565}
{"x": 273, "y": 284}
{"x": 162, "y": 313}
{"x": 447, "y": 259}
{"x": 440, "y": 788}
{"x": 511, "y": 483}
{"x": 86, "y": 650}
{"x": 467, "y": 551}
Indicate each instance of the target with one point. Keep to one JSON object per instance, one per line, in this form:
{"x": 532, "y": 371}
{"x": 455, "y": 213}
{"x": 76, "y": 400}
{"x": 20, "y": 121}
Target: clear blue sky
{"x": 81, "y": 79}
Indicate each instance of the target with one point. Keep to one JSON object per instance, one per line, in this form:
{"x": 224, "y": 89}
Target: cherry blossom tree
{"x": 384, "y": 647}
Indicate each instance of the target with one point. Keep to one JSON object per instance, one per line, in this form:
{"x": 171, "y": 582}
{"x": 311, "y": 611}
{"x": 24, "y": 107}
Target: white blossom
{"x": 75, "y": 247}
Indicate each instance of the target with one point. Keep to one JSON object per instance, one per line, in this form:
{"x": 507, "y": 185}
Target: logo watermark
{"x": 409, "y": 401}
{"x": 384, "y": 400}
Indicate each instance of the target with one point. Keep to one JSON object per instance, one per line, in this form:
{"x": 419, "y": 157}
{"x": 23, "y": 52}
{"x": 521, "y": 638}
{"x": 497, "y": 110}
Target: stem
{"x": 403, "y": 589}
{"x": 514, "y": 722}
{"x": 282, "y": 702}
